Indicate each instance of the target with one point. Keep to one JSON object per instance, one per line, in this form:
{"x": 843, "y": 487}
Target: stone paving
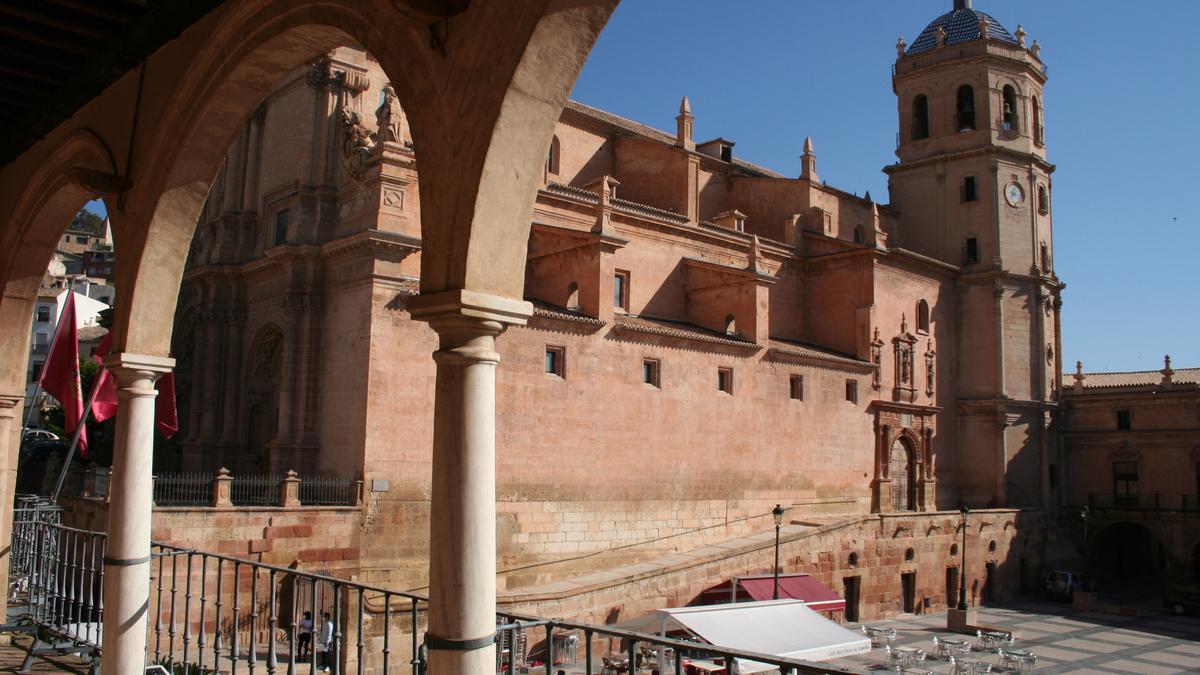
{"x": 1065, "y": 640}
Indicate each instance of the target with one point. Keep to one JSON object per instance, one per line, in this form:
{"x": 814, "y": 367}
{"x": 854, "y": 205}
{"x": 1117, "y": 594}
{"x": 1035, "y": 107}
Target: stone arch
{"x": 1123, "y": 554}
{"x": 57, "y": 190}
{"x": 483, "y": 113}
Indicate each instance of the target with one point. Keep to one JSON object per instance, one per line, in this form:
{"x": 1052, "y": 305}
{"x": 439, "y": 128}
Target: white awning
{"x": 778, "y": 627}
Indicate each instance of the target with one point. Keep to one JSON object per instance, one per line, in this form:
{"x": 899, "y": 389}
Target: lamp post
{"x": 1084, "y": 515}
{"x": 777, "y": 512}
{"x": 962, "y": 572}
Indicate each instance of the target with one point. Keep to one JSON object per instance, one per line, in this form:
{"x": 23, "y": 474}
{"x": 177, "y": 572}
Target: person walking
{"x": 325, "y": 642}
{"x": 305, "y": 637}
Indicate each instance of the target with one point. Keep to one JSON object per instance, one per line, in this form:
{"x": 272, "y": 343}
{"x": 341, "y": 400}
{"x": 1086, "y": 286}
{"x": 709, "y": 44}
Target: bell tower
{"x": 972, "y": 185}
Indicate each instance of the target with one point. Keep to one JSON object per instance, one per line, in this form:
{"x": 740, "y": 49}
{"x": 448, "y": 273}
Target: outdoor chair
{"x": 893, "y": 659}
{"x": 1020, "y": 660}
{"x": 612, "y": 666}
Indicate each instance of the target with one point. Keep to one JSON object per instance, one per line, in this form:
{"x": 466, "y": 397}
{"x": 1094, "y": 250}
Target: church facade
{"x": 710, "y": 337}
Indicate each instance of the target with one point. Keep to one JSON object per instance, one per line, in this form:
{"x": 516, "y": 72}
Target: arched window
{"x": 859, "y": 237}
{"x": 1037, "y": 121}
{"x": 965, "y": 108}
{"x": 922, "y": 317}
{"x": 1043, "y": 200}
{"x": 730, "y": 325}
{"x": 1011, "y": 119}
{"x": 920, "y": 118}
{"x": 1045, "y": 257}
{"x": 572, "y": 296}
{"x": 552, "y": 159}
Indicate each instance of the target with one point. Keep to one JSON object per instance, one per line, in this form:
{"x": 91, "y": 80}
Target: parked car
{"x": 1062, "y": 584}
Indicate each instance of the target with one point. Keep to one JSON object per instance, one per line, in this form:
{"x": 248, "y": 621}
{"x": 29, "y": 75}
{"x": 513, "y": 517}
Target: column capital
{"x": 125, "y": 361}
{"x": 464, "y": 303}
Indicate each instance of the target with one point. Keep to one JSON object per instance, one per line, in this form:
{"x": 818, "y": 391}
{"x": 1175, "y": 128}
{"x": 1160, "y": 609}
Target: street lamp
{"x": 777, "y": 512}
{"x": 1085, "y": 514}
{"x": 962, "y": 565}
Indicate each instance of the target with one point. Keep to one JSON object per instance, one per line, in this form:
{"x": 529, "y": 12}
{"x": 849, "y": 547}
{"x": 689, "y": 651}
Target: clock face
{"x": 1014, "y": 194}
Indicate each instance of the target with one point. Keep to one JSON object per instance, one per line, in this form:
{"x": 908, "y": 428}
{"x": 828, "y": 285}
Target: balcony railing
{"x": 226, "y": 489}
{"x": 215, "y": 613}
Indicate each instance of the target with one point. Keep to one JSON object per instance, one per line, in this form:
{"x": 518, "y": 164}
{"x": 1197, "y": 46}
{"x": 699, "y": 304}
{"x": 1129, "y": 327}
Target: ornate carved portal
{"x": 904, "y": 478}
{"x": 904, "y": 346}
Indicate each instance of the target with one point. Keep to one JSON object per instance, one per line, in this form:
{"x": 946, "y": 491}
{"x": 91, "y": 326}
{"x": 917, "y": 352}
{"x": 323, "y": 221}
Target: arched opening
{"x": 1122, "y": 556}
{"x": 920, "y": 118}
{"x": 922, "y": 316}
{"x": 1010, "y": 119}
{"x": 1036, "y": 106}
{"x": 965, "y": 108}
{"x": 730, "y": 325}
{"x": 552, "y": 157}
{"x": 859, "y": 237}
{"x": 572, "y": 296}
{"x": 1043, "y": 200}
{"x": 900, "y": 470}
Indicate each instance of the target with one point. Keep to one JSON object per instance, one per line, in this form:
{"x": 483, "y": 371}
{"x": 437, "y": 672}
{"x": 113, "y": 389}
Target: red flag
{"x": 166, "y": 417}
{"x": 105, "y": 404}
{"x": 60, "y": 375}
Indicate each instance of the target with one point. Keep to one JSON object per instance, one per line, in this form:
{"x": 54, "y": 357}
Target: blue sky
{"x": 1121, "y": 110}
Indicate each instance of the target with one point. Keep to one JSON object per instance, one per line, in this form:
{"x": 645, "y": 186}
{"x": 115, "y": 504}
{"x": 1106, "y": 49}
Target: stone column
{"x": 462, "y": 555}
{"x": 10, "y": 441}
{"x": 127, "y": 558}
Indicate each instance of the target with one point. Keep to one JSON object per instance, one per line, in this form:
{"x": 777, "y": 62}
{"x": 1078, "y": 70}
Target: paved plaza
{"x": 1064, "y": 640}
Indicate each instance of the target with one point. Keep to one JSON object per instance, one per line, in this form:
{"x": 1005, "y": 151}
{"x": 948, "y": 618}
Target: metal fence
{"x": 255, "y": 490}
{"x": 183, "y": 488}
{"x": 216, "y": 613}
{"x": 328, "y": 490}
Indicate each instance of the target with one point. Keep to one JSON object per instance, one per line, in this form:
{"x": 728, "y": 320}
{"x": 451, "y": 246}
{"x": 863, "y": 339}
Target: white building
{"x": 49, "y": 308}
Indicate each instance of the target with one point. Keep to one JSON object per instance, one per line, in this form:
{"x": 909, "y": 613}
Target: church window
{"x": 969, "y": 192}
{"x": 1043, "y": 198}
{"x": 922, "y": 317}
{"x": 971, "y": 251}
{"x": 552, "y": 158}
{"x": 725, "y": 380}
{"x": 1037, "y": 121}
{"x": 965, "y": 108}
{"x": 1123, "y": 420}
{"x": 281, "y": 227}
{"x": 920, "y": 118}
{"x": 859, "y": 238}
{"x": 1010, "y": 118}
{"x": 796, "y": 387}
{"x": 650, "y": 372}
{"x": 1125, "y": 483}
{"x": 852, "y": 391}
{"x": 621, "y": 290}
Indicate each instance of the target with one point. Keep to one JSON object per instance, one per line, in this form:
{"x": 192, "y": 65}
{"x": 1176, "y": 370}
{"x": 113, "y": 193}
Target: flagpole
{"x": 87, "y": 409}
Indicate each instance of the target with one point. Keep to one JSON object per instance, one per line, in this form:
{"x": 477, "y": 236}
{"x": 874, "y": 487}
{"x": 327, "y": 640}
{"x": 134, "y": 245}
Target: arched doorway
{"x": 1123, "y": 556}
{"x": 900, "y": 470}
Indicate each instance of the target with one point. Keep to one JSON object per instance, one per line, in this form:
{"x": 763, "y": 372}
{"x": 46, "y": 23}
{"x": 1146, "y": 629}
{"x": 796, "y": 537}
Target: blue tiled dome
{"x": 961, "y": 25}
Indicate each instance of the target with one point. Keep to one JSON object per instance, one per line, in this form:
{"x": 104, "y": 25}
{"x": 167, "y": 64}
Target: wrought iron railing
{"x": 255, "y": 490}
{"x": 216, "y": 613}
{"x": 183, "y": 489}
{"x": 328, "y": 490}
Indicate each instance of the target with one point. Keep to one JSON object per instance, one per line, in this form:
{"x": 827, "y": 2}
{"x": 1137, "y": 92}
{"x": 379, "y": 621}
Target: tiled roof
{"x": 807, "y": 351}
{"x": 92, "y": 333}
{"x": 655, "y": 134}
{"x": 546, "y": 310}
{"x": 1137, "y": 378}
{"x": 677, "y": 329}
{"x": 961, "y": 25}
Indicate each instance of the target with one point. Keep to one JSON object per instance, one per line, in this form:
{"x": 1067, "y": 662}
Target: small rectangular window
{"x": 1123, "y": 420}
{"x": 35, "y": 371}
{"x": 852, "y": 391}
{"x": 968, "y": 189}
{"x": 81, "y": 240}
{"x": 281, "y": 227}
{"x": 555, "y": 361}
{"x": 43, "y": 314}
{"x": 650, "y": 372}
{"x": 725, "y": 380}
{"x": 621, "y": 290}
{"x": 796, "y": 387}
{"x": 971, "y": 251}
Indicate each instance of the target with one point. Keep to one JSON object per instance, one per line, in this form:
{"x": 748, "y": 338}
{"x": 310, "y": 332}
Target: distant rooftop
{"x": 1136, "y": 378}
